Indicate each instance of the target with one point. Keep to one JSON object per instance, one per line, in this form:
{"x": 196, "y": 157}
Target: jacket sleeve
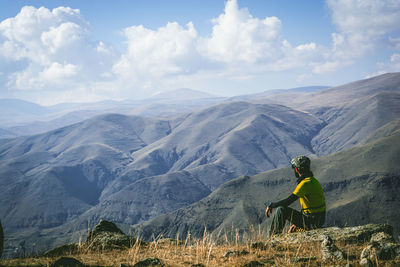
{"x": 285, "y": 202}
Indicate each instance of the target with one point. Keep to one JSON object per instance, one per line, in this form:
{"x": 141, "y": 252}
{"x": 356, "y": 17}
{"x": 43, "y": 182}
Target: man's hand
{"x": 267, "y": 211}
{"x": 292, "y": 229}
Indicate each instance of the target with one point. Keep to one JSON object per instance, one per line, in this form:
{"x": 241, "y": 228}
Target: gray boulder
{"x": 348, "y": 235}
{"x": 1, "y": 240}
{"x": 381, "y": 247}
{"x": 149, "y": 262}
{"x": 67, "y": 249}
{"x": 330, "y": 252}
{"x": 106, "y": 235}
{"x": 67, "y": 262}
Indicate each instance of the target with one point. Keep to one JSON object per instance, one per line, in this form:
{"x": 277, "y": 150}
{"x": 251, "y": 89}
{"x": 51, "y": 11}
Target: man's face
{"x": 296, "y": 173}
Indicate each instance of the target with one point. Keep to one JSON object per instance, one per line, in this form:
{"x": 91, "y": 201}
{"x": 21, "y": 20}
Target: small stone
{"x": 389, "y": 251}
{"x": 305, "y": 259}
{"x": 367, "y": 252}
{"x": 366, "y": 262}
{"x": 230, "y": 253}
{"x": 243, "y": 252}
{"x": 330, "y": 251}
{"x": 253, "y": 264}
{"x": 259, "y": 245}
{"x": 149, "y": 262}
{"x": 67, "y": 249}
{"x": 380, "y": 251}
{"x": 1, "y": 240}
{"x": 382, "y": 238}
{"x": 67, "y": 262}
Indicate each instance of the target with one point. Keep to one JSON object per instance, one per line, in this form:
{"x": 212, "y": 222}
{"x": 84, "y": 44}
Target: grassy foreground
{"x": 204, "y": 252}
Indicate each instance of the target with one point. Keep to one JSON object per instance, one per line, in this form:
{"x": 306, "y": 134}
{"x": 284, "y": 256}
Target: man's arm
{"x": 285, "y": 202}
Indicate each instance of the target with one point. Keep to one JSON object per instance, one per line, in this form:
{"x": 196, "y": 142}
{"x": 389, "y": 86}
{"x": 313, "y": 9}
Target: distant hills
{"x": 129, "y": 169}
{"x": 18, "y": 117}
{"x": 184, "y": 94}
{"x": 361, "y": 186}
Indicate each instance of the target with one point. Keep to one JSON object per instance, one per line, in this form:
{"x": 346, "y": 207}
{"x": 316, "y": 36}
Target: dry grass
{"x": 205, "y": 251}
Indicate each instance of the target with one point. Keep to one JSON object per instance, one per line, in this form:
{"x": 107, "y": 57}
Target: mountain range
{"x": 130, "y": 169}
{"x": 21, "y": 118}
{"x": 361, "y": 186}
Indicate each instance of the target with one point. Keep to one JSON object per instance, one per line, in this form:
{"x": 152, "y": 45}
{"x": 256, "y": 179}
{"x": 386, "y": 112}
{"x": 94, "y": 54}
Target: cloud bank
{"x": 363, "y": 26}
{"x": 53, "y": 51}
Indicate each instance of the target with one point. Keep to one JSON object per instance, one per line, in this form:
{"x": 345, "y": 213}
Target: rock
{"x": 106, "y": 235}
{"x": 305, "y": 259}
{"x": 67, "y": 262}
{"x": 348, "y": 235}
{"x": 62, "y": 250}
{"x": 1, "y": 240}
{"x": 366, "y": 262}
{"x": 149, "y": 262}
{"x": 330, "y": 251}
{"x": 382, "y": 237}
{"x": 259, "y": 245}
{"x": 235, "y": 253}
{"x": 389, "y": 251}
{"x": 381, "y": 247}
{"x": 368, "y": 255}
{"x": 253, "y": 264}
{"x": 104, "y": 226}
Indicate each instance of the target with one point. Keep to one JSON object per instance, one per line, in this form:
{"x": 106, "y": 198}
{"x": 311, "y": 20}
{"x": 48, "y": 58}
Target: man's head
{"x": 301, "y": 164}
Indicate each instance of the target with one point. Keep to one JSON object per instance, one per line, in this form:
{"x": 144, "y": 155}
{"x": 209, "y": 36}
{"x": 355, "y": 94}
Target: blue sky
{"x": 77, "y": 51}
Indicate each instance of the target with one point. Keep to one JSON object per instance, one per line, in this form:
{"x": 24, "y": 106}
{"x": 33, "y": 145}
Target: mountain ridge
{"x": 117, "y": 157}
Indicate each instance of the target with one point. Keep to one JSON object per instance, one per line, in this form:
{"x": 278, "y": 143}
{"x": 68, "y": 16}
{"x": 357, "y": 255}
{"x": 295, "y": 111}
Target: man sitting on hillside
{"x": 312, "y": 202}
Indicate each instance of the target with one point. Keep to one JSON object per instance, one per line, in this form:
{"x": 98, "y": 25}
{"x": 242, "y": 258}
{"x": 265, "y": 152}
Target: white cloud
{"x": 250, "y": 46}
{"x": 395, "y": 42}
{"x": 371, "y": 17}
{"x": 239, "y": 47}
{"x": 392, "y": 65}
{"x": 55, "y": 48}
{"x": 58, "y": 53}
{"x": 62, "y": 37}
{"x": 56, "y": 72}
{"x": 53, "y": 51}
{"x": 238, "y": 37}
{"x": 363, "y": 26}
{"x": 238, "y": 40}
{"x": 169, "y": 50}
{"x": 330, "y": 66}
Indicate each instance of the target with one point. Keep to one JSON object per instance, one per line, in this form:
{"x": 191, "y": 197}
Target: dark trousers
{"x": 300, "y": 219}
